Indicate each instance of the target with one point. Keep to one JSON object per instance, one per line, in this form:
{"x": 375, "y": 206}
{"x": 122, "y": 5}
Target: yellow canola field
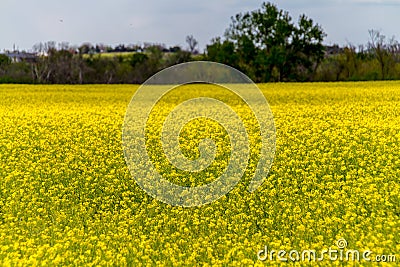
{"x": 67, "y": 197}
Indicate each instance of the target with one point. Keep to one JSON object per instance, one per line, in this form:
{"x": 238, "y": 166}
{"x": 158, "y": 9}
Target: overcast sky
{"x": 26, "y": 22}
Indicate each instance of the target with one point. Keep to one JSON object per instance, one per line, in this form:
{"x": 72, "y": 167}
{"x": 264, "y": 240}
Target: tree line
{"x": 64, "y": 65}
{"x": 266, "y": 44}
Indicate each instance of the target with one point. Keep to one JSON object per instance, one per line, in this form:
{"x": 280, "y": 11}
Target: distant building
{"x": 333, "y": 50}
{"x": 17, "y": 56}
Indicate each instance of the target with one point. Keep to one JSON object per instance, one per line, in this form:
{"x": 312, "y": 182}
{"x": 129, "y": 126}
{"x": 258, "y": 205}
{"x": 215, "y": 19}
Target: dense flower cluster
{"x": 67, "y": 197}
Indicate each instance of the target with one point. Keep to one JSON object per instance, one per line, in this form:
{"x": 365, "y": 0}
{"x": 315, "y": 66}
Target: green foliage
{"x": 4, "y": 60}
{"x": 222, "y": 52}
{"x": 178, "y": 57}
{"x": 138, "y": 58}
{"x": 267, "y": 45}
{"x": 353, "y": 65}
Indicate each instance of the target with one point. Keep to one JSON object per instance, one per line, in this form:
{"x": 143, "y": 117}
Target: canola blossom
{"x": 67, "y": 196}
{"x": 222, "y": 88}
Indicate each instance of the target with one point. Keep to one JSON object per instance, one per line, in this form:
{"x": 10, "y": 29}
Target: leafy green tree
{"x": 5, "y": 61}
{"x": 138, "y": 58}
{"x": 222, "y": 52}
{"x": 267, "y": 44}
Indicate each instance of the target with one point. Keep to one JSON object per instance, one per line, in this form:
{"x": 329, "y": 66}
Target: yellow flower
{"x": 67, "y": 197}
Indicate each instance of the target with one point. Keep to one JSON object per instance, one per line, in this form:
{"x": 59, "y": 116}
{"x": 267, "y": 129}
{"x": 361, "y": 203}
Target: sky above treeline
{"x": 26, "y": 22}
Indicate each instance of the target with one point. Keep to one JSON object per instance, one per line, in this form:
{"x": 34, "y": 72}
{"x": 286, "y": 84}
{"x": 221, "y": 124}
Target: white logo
{"x": 148, "y": 96}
